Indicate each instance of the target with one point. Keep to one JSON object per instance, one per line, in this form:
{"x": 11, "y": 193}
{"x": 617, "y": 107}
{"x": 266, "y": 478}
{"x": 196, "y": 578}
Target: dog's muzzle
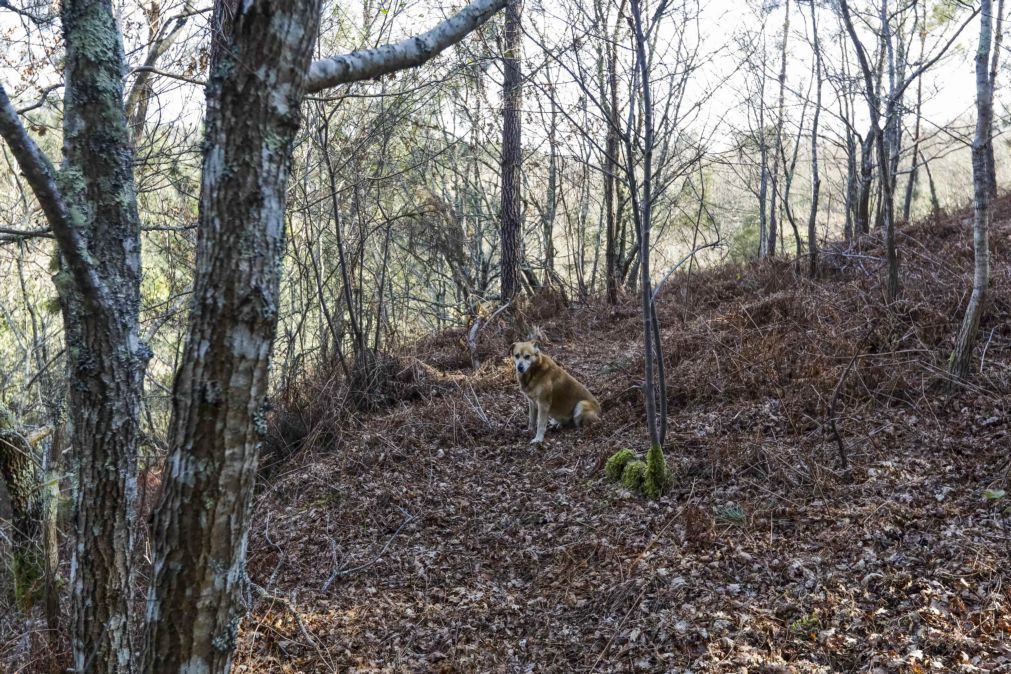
{"x": 521, "y": 367}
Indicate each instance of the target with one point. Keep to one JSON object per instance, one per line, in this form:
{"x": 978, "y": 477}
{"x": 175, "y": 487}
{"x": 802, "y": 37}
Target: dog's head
{"x": 525, "y": 355}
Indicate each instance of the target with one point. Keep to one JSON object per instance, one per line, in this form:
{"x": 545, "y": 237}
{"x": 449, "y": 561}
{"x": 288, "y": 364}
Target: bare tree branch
{"x": 368, "y": 64}
{"x": 42, "y": 177}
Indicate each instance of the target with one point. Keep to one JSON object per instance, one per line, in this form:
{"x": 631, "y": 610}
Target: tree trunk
{"x": 551, "y": 198}
{"x": 610, "y": 176}
{"x": 862, "y": 214}
{"x": 998, "y": 34}
{"x": 812, "y": 220}
{"x": 935, "y": 203}
{"x": 19, "y": 470}
{"x": 260, "y": 56}
{"x": 642, "y": 207}
{"x": 780, "y": 106}
{"x": 512, "y": 97}
{"x": 885, "y": 162}
{"x": 873, "y": 102}
{"x": 964, "y": 342}
{"x": 107, "y": 359}
{"x": 907, "y": 201}
{"x": 763, "y": 180}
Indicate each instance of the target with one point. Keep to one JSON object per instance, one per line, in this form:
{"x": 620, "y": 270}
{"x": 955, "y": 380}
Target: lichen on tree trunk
{"x": 258, "y": 77}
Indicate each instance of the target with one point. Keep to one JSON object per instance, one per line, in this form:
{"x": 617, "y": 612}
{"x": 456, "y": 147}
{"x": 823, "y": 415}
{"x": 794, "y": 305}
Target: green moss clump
{"x": 28, "y": 575}
{"x": 615, "y": 465}
{"x": 631, "y": 477}
{"x": 657, "y": 478}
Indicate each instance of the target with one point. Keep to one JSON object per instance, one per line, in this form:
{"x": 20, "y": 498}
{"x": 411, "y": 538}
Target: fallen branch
{"x": 342, "y": 573}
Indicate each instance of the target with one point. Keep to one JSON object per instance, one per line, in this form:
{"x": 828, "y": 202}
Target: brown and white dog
{"x": 551, "y": 391}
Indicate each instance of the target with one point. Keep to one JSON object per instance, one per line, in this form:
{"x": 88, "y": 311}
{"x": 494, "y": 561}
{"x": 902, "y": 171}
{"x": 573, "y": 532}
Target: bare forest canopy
{"x": 229, "y": 226}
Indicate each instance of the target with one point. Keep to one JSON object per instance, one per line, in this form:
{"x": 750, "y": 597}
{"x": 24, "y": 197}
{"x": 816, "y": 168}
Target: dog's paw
{"x": 536, "y": 441}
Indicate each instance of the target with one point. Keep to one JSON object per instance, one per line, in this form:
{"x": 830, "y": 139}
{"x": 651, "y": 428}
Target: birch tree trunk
{"x": 961, "y": 355}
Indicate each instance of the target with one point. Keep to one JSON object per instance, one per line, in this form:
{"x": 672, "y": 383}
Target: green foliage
{"x": 632, "y": 476}
{"x": 651, "y": 477}
{"x": 806, "y": 625}
{"x": 731, "y": 513}
{"x": 943, "y": 12}
{"x": 28, "y": 575}
{"x": 615, "y": 465}
{"x": 994, "y": 494}
{"x": 657, "y": 479}
{"x": 743, "y": 244}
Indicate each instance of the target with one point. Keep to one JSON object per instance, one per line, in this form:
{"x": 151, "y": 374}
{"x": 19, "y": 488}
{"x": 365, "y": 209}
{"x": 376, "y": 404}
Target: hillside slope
{"x": 430, "y": 536}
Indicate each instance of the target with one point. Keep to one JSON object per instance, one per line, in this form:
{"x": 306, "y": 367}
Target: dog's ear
{"x": 537, "y": 345}
{"x": 511, "y": 347}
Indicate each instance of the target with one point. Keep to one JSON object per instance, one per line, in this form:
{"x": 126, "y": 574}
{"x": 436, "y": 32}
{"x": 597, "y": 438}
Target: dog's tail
{"x": 587, "y": 413}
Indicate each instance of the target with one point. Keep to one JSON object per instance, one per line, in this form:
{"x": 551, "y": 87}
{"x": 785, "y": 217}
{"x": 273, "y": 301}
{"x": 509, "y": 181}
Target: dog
{"x": 551, "y": 391}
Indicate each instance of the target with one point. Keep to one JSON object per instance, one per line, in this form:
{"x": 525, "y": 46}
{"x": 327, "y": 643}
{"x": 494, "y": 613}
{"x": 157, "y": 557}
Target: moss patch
{"x": 615, "y": 465}
{"x": 632, "y": 476}
{"x": 657, "y": 479}
{"x": 651, "y": 477}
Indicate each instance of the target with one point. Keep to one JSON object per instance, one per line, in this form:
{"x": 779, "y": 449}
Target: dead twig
{"x": 345, "y": 572}
{"x": 832, "y": 416}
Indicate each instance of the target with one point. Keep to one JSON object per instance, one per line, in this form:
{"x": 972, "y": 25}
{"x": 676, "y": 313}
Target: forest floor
{"x": 431, "y": 536}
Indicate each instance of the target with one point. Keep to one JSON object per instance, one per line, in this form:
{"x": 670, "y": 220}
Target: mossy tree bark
{"x": 106, "y": 358}
{"x": 260, "y": 58}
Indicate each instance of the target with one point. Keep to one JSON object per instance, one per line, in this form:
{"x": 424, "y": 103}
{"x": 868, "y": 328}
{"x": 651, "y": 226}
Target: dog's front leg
{"x": 532, "y": 414}
{"x": 542, "y": 423}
